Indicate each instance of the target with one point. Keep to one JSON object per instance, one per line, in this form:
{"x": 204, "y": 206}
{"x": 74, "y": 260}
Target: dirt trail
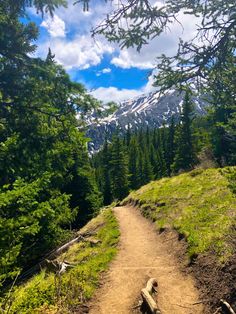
{"x": 142, "y": 254}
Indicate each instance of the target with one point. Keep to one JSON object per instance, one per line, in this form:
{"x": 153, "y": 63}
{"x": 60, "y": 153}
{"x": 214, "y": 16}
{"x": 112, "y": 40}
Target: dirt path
{"x": 142, "y": 254}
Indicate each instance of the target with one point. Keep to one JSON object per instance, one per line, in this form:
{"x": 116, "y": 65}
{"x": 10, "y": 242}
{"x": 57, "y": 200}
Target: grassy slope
{"x": 48, "y": 293}
{"x": 200, "y": 205}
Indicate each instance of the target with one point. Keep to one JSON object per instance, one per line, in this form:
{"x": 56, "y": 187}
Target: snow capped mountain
{"x": 152, "y": 110}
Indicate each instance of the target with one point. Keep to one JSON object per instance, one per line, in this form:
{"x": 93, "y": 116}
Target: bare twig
{"x": 217, "y": 310}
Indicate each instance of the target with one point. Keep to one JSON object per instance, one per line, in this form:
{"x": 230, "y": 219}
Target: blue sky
{"x": 107, "y": 72}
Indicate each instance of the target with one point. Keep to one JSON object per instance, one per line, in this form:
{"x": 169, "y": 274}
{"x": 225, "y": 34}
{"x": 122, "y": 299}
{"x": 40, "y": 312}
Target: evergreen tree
{"x": 133, "y": 166}
{"x": 147, "y": 167}
{"x": 170, "y": 146}
{"x": 46, "y": 182}
{"x": 119, "y": 170}
{"x": 153, "y": 160}
{"x": 140, "y": 168}
{"x": 106, "y": 175}
{"x": 161, "y": 170}
{"x": 185, "y": 156}
{"x": 223, "y": 110}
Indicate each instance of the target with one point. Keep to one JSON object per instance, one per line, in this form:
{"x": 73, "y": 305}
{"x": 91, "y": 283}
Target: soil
{"x": 216, "y": 281}
{"x": 144, "y": 254}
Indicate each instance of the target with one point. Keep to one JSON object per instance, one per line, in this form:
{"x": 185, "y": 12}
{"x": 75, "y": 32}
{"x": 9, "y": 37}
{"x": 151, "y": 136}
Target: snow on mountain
{"x": 152, "y": 110}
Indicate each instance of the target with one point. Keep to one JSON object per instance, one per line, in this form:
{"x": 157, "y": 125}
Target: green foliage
{"x": 185, "y": 156}
{"x": 118, "y": 170}
{"x": 32, "y": 216}
{"x": 45, "y": 173}
{"x": 223, "y": 110}
{"x": 47, "y": 292}
{"x": 133, "y": 161}
{"x": 199, "y": 204}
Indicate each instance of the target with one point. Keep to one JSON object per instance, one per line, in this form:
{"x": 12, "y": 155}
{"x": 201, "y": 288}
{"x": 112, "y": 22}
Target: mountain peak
{"x": 152, "y": 110}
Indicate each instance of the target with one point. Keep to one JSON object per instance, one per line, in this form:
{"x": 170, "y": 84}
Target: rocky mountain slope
{"x": 152, "y": 110}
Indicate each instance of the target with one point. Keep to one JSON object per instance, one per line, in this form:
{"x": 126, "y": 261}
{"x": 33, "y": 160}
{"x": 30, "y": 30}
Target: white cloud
{"x": 106, "y": 70}
{"x": 82, "y": 52}
{"x": 103, "y": 71}
{"x": 115, "y": 94}
{"x": 74, "y": 48}
{"x": 166, "y": 43}
{"x": 128, "y": 59}
{"x": 78, "y": 25}
{"x": 55, "y": 26}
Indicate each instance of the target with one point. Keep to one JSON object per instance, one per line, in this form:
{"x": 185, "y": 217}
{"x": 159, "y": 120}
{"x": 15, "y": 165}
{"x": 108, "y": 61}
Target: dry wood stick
{"x": 147, "y": 297}
{"x": 231, "y": 311}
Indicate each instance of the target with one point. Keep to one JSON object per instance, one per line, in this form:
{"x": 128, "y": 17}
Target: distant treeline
{"x": 130, "y": 161}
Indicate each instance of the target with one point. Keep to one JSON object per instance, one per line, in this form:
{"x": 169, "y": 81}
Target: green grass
{"x": 200, "y": 205}
{"x": 49, "y": 293}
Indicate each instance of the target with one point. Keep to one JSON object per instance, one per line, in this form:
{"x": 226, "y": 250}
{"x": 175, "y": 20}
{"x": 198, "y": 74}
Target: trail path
{"x": 143, "y": 254}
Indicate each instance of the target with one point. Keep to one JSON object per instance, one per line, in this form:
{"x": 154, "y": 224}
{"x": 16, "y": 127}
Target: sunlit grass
{"x": 200, "y": 205}
{"x": 50, "y": 293}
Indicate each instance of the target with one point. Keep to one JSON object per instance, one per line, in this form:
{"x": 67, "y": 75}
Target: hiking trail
{"x": 142, "y": 254}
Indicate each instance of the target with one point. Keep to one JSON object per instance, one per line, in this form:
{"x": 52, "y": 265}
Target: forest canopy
{"x": 47, "y": 184}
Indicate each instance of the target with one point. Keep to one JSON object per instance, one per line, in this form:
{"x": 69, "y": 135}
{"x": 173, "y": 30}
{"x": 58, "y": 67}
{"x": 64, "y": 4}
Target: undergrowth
{"x": 200, "y": 205}
{"x": 48, "y": 293}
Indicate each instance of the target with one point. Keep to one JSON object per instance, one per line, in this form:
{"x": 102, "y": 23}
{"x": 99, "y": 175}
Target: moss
{"x": 49, "y": 293}
{"x": 200, "y": 205}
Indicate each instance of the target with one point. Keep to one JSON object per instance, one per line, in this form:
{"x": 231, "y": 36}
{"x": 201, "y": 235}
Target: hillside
{"x": 200, "y": 206}
{"x": 192, "y": 255}
{"x": 49, "y": 292}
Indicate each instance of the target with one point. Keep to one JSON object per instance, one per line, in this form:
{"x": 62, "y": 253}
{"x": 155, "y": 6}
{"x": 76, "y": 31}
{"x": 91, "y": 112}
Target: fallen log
{"x": 52, "y": 255}
{"x": 63, "y": 248}
{"x": 146, "y": 294}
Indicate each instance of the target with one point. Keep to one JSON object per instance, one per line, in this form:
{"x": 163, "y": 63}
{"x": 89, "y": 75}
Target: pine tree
{"x": 128, "y": 136}
{"x": 50, "y": 56}
{"x": 161, "y": 170}
{"x": 140, "y": 167}
{"x": 107, "y": 195}
{"x": 185, "y": 156}
{"x": 170, "y": 154}
{"x": 133, "y": 166}
{"x": 119, "y": 170}
{"x": 147, "y": 167}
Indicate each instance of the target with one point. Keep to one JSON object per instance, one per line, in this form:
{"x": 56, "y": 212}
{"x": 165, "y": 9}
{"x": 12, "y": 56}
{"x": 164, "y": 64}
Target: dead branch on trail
{"x": 228, "y": 306}
{"x": 146, "y": 294}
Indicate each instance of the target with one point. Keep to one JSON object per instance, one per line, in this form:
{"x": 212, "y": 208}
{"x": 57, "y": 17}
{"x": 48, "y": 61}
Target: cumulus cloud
{"x": 78, "y": 25}
{"x": 107, "y": 94}
{"x": 81, "y": 53}
{"x": 167, "y": 43}
{"x": 112, "y": 93}
{"x": 70, "y": 38}
{"x": 103, "y": 71}
{"x": 55, "y": 26}
{"x": 129, "y": 58}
